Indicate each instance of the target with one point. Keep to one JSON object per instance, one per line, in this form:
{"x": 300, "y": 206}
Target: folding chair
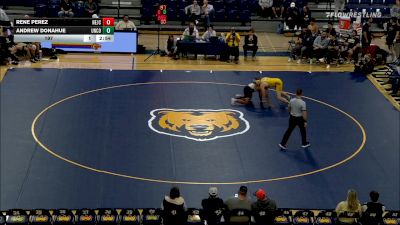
{"x": 151, "y": 216}
{"x": 63, "y": 217}
{"x": 262, "y": 216}
{"x": 325, "y": 217}
{"x": 349, "y": 215}
{"x": 303, "y": 217}
{"x": 107, "y": 217}
{"x": 392, "y": 218}
{"x": 193, "y": 216}
{"x": 85, "y": 217}
{"x": 17, "y": 217}
{"x": 40, "y": 217}
{"x": 129, "y": 217}
{"x": 239, "y": 217}
{"x": 283, "y": 217}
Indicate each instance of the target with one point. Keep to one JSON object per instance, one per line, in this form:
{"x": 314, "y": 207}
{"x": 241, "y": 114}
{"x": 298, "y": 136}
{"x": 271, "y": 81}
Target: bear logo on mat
{"x": 198, "y": 124}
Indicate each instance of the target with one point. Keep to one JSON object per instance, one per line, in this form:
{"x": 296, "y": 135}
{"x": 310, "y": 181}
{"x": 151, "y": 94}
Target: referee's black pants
{"x": 293, "y": 122}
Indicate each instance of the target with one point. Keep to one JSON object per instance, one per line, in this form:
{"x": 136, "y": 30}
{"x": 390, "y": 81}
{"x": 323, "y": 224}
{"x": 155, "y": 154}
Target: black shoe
{"x": 306, "y": 145}
{"x": 33, "y": 60}
{"x": 14, "y": 62}
{"x": 54, "y": 57}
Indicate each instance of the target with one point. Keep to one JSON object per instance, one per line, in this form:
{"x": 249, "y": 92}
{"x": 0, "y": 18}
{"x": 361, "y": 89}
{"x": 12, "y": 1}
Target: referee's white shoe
{"x": 306, "y": 145}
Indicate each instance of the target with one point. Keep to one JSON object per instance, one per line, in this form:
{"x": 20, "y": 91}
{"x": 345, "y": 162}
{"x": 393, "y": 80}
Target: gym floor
{"x": 74, "y": 138}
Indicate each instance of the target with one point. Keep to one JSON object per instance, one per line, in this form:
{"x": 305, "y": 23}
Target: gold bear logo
{"x": 198, "y": 124}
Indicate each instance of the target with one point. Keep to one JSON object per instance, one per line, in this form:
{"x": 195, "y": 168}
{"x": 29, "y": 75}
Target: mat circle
{"x": 47, "y": 149}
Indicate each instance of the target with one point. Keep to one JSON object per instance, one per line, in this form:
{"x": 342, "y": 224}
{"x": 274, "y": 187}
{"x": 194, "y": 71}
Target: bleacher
{"x": 239, "y": 13}
{"x": 153, "y": 216}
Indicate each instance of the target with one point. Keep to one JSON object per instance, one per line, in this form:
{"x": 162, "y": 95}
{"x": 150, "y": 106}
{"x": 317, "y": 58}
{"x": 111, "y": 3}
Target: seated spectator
{"x": 352, "y": 47}
{"x": 366, "y": 34}
{"x": 292, "y": 17}
{"x": 305, "y": 16}
{"x": 374, "y": 207}
{"x": 278, "y": 9}
{"x": 298, "y": 44}
{"x": 330, "y": 30}
{"x": 191, "y": 33}
{"x": 170, "y": 46}
{"x": 264, "y": 203}
{"x": 395, "y": 9}
{"x": 313, "y": 27}
{"x": 365, "y": 65}
{"x": 308, "y": 46}
{"x": 250, "y": 43}
{"x": 266, "y": 8}
{"x": 209, "y": 33}
{"x": 207, "y": 11}
{"x": 213, "y": 207}
{"x": 320, "y": 45}
{"x": 66, "y": 9}
{"x": 392, "y": 30}
{"x": 333, "y": 50}
{"x": 240, "y": 201}
{"x": 193, "y": 11}
{"x": 125, "y": 24}
{"x": 90, "y": 8}
{"x": 174, "y": 208}
{"x": 350, "y": 205}
{"x": 232, "y": 39}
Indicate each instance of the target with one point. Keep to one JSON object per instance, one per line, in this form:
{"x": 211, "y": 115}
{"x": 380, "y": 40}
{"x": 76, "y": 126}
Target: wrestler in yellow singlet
{"x": 272, "y": 82}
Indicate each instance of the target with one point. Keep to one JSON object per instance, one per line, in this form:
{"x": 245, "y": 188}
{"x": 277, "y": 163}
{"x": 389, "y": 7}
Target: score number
{"x": 162, "y": 14}
{"x": 108, "y": 26}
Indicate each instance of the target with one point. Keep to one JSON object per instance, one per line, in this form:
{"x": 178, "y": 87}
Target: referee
{"x": 298, "y": 117}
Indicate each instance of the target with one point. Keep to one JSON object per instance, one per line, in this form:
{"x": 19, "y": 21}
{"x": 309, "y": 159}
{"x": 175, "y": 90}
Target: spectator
{"x": 298, "y": 44}
{"x": 170, "y": 46}
{"x": 266, "y": 8}
{"x": 278, "y": 9}
{"x": 395, "y": 10}
{"x": 350, "y": 205}
{"x": 250, "y": 43}
{"x": 125, "y": 24}
{"x": 193, "y": 11}
{"x": 240, "y": 201}
{"x": 374, "y": 207}
{"x": 392, "y": 30}
{"x": 320, "y": 45}
{"x": 3, "y": 16}
{"x": 174, "y": 208}
{"x": 190, "y": 33}
{"x": 307, "y": 46}
{"x": 90, "y": 8}
{"x": 306, "y": 17}
{"x": 66, "y": 9}
{"x": 366, "y": 34}
{"x": 330, "y": 30}
{"x": 333, "y": 50}
{"x": 232, "y": 39}
{"x": 264, "y": 203}
{"x": 313, "y": 27}
{"x": 209, "y": 33}
{"x": 213, "y": 207}
{"x": 292, "y": 17}
{"x": 352, "y": 47}
{"x": 339, "y": 6}
{"x": 207, "y": 11}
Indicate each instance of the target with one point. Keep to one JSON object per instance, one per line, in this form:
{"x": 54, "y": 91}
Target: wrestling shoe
{"x": 283, "y": 147}
{"x": 306, "y": 145}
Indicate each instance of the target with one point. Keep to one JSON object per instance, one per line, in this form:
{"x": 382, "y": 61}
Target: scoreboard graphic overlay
{"x": 64, "y": 30}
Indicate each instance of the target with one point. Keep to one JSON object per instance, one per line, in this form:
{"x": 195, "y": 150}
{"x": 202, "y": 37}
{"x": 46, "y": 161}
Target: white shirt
{"x": 122, "y": 25}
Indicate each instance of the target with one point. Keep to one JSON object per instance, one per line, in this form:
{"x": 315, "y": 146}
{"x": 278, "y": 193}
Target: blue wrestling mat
{"x": 75, "y": 138}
